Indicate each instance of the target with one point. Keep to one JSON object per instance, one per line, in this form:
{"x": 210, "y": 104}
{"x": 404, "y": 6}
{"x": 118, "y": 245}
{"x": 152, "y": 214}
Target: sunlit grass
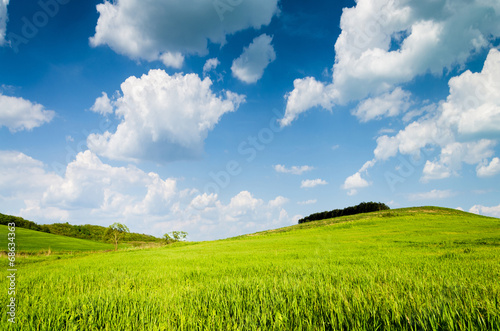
{"x": 33, "y": 241}
{"x": 411, "y": 269}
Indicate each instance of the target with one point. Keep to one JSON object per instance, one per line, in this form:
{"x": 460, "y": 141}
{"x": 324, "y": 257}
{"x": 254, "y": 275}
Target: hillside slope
{"x": 87, "y": 231}
{"x": 30, "y": 241}
{"x": 407, "y": 269}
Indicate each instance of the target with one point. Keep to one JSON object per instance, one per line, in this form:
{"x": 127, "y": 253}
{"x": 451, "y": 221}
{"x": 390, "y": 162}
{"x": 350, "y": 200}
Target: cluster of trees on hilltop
{"x": 90, "y": 232}
{"x": 22, "y": 223}
{"x": 364, "y": 207}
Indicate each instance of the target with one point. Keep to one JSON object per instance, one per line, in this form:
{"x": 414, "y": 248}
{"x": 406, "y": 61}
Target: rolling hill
{"x": 32, "y": 241}
{"x": 422, "y": 268}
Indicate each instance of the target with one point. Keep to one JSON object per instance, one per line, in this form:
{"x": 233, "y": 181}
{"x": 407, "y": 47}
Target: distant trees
{"x": 175, "y": 236}
{"x": 87, "y": 231}
{"x": 22, "y": 223}
{"x": 364, "y": 207}
{"x": 115, "y": 232}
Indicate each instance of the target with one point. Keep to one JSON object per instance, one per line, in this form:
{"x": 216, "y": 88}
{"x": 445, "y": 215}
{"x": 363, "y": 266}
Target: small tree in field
{"x": 115, "y": 232}
{"x": 175, "y": 236}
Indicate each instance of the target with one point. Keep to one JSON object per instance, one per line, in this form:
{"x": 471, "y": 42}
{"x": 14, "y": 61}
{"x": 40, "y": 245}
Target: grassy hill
{"x": 407, "y": 269}
{"x": 87, "y": 231}
{"x": 32, "y": 241}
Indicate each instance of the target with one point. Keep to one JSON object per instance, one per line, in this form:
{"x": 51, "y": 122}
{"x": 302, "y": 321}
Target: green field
{"x": 34, "y": 241}
{"x": 407, "y": 269}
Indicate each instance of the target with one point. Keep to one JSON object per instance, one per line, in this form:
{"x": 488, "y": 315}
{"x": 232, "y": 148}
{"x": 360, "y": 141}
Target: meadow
{"x": 407, "y": 269}
{"x": 29, "y": 241}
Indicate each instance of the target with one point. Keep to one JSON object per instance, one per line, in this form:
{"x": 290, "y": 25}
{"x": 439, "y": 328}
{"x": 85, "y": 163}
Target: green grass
{"x": 408, "y": 269}
{"x": 34, "y": 241}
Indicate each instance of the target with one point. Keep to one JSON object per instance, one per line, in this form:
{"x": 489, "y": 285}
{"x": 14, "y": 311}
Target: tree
{"x": 115, "y": 232}
{"x": 175, "y": 236}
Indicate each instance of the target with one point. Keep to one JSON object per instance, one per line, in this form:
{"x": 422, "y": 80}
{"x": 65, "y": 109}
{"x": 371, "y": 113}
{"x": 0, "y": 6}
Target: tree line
{"x": 89, "y": 232}
{"x": 364, "y": 207}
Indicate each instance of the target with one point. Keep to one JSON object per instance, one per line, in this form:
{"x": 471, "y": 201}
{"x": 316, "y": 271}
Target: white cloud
{"x": 102, "y": 105}
{"x": 435, "y": 170}
{"x": 473, "y": 105}
{"x": 163, "y": 117}
{"x": 386, "y": 43}
{"x": 388, "y": 105}
{"x": 168, "y": 30}
{"x": 307, "y": 202}
{"x": 310, "y": 183}
{"x": 174, "y": 60}
{"x": 432, "y": 195}
{"x": 22, "y": 176}
{"x": 453, "y": 155}
{"x": 294, "y": 170}
{"x": 462, "y": 126}
{"x": 486, "y": 211}
{"x": 20, "y": 114}
{"x": 3, "y": 20}
{"x": 250, "y": 66}
{"x": 355, "y": 182}
{"x": 489, "y": 169}
{"x": 247, "y": 213}
{"x": 279, "y": 201}
{"x": 210, "y": 65}
{"x": 307, "y": 93}
{"x": 93, "y": 190}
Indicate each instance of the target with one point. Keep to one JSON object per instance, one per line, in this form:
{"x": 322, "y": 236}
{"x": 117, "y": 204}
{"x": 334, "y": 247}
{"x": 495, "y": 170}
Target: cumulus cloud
{"x": 174, "y": 60}
{"x": 22, "y": 176}
{"x": 3, "y": 20}
{"x": 163, "y": 117}
{"x": 19, "y": 114}
{"x": 432, "y": 195}
{"x": 489, "y": 169}
{"x": 307, "y": 93}
{"x": 250, "y": 66}
{"x": 102, "y": 105}
{"x": 486, "y": 211}
{"x": 453, "y": 155}
{"x": 356, "y": 181}
{"x": 310, "y": 183}
{"x": 146, "y": 202}
{"x": 168, "y": 30}
{"x": 294, "y": 170}
{"x": 384, "y": 44}
{"x": 386, "y": 105}
{"x": 461, "y": 126}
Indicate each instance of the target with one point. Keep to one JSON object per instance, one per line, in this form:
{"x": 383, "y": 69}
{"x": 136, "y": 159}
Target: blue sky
{"x": 222, "y": 117}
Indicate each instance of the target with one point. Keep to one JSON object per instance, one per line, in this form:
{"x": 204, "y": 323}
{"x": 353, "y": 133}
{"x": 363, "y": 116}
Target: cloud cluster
{"x": 462, "y": 127}
{"x": 163, "y": 117}
{"x": 250, "y": 66}
{"x": 386, "y": 43}
{"x": 169, "y": 30}
{"x": 20, "y": 114}
{"x": 93, "y": 190}
{"x": 487, "y": 211}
